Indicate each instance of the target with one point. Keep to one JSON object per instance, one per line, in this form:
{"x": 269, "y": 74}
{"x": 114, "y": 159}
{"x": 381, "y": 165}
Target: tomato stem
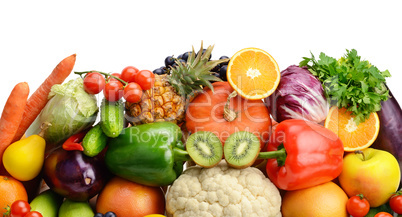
{"x": 361, "y": 196}
{"x": 8, "y": 211}
{"x": 105, "y": 74}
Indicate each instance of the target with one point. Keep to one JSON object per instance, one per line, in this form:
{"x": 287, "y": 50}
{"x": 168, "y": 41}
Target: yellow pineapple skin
{"x": 160, "y": 103}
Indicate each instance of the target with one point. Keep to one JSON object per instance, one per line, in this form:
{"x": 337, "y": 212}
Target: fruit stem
{"x": 181, "y": 155}
{"x": 228, "y": 114}
{"x": 362, "y": 153}
{"x": 361, "y": 196}
{"x": 43, "y": 128}
{"x": 279, "y": 154}
{"x": 103, "y": 73}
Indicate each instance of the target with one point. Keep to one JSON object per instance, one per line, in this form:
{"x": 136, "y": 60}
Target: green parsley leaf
{"x": 350, "y": 82}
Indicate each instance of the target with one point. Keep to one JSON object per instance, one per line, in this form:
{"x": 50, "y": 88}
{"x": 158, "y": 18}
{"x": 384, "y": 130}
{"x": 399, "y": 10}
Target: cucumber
{"x": 112, "y": 117}
{"x": 47, "y": 203}
{"x": 94, "y": 141}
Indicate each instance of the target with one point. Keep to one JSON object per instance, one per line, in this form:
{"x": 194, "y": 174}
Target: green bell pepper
{"x": 149, "y": 154}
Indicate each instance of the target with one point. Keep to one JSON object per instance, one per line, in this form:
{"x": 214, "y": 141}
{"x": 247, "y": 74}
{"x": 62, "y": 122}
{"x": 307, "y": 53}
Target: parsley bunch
{"x": 350, "y": 82}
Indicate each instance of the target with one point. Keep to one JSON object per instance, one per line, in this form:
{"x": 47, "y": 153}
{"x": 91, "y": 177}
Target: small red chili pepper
{"x": 75, "y": 142}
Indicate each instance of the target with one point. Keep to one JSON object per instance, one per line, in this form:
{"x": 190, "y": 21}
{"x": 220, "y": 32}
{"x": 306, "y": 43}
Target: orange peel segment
{"x": 354, "y": 137}
{"x": 253, "y": 73}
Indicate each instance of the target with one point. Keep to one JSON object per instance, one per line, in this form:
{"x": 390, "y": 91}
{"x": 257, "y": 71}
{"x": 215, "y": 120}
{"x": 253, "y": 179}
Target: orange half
{"x": 354, "y": 137}
{"x": 253, "y": 73}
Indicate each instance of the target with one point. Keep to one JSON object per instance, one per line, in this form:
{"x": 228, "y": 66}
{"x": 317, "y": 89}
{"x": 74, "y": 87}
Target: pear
{"x": 24, "y": 159}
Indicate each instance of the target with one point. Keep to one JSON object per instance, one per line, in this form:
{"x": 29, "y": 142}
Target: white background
{"x": 109, "y": 35}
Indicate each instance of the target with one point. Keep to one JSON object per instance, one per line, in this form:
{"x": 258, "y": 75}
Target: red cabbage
{"x": 299, "y": 95}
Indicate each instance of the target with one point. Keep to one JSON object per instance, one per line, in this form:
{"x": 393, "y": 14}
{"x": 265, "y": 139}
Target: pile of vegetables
{"x": 227, "y": 159}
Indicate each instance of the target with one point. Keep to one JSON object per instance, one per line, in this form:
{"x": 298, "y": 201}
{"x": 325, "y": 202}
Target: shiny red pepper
{"x": 307, "y": 155}
{"x": 75, "y": 142}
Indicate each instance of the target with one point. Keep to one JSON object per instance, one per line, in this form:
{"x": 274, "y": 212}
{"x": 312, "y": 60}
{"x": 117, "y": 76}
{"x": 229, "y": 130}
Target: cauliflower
{"x": 223, "y": 191}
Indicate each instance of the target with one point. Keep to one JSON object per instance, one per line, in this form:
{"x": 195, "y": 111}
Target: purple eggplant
{"x": 74, "y": 175}
{"x": 390, "y": 135}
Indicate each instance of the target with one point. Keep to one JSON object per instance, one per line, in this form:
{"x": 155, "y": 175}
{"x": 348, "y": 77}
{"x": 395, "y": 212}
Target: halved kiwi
{"x": 241, "y": 149}
{"x": 204, "y": 148}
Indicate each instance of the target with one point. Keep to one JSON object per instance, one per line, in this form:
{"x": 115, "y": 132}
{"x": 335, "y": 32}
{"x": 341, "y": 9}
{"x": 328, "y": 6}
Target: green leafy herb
{"x": 350, "y": 82}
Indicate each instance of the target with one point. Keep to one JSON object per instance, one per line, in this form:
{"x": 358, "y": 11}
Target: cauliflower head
{"x": 223, "y": 191}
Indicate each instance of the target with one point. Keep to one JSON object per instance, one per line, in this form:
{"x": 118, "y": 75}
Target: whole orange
{"x": 10, "y": 191}
{"x": 129, "y": 199}
{"x": 323, "y": 200}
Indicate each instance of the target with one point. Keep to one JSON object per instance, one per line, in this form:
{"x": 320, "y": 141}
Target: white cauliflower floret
{"x": 223, "y": 191}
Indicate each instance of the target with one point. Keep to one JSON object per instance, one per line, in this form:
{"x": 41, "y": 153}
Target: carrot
{"x": 11, "y": 117}
{"x": 39, "y": 98}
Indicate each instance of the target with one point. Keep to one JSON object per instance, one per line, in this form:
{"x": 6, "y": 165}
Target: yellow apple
{"x": 372, "y": 172}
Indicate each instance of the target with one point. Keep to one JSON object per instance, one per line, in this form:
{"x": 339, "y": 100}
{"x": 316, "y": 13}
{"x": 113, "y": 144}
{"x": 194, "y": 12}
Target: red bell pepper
{"x": 302, "y": 154}
{"x": 74, "y": 142}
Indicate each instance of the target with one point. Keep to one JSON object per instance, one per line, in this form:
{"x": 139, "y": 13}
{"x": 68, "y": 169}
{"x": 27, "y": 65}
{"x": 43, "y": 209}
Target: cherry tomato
{"x": 383, "y": 214}
{"x": 113, "y": 90}
{"x": 128, "y": 74}
{"x": 115, "y": 74}
{"x": 94, "y": 83}
{"x": 19, "y": 208}
{"x": 395, "y": 202}
{"x": 145, "y": 79}
{"x": 358, "y": 206}
{"x": 33, "y": 214}
{"x": 132, "y": 92}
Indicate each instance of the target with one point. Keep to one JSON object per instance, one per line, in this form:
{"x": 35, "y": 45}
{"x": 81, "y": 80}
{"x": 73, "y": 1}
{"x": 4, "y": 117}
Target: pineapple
{"x": 167, "y": 100}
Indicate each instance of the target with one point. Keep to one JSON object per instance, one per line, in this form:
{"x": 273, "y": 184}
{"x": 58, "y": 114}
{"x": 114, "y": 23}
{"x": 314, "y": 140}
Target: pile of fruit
{"x": 205, "y": 137}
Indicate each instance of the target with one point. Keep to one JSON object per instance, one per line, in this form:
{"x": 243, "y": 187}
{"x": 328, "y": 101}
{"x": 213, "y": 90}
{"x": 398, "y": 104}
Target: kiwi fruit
{"x": 204, "y": 148}
{"x": 241, "y": 149}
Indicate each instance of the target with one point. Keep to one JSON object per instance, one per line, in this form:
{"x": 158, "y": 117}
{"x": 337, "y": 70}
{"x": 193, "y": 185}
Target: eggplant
{"x": 390, "y": 135}
{"x": 74, "y": 175}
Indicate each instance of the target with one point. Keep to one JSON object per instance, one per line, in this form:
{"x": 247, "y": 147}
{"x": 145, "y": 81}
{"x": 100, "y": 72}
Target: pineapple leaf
{"x": 209, "y": 85}
{"x": 188, "y": 80}
{"x": 211, "y": 78}
{"x": 195, "y": 73}
{"x": 198, "y": 57}
{"x": 191, "y": 57}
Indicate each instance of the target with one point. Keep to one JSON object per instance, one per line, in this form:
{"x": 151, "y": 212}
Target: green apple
{"x": 372, "y": 172}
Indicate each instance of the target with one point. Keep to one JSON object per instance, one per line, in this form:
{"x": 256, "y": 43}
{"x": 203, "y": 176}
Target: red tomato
{"x": 94, "y": 83}
{"x": 115, "y": 74}
{"x": 33, "y": 214}
{"x": 145, "y": 79}
{"x": 128, "y": 74}
{"x": 395, "y": 202}
{"x": 383, "y": 214}
{"x": 132, "y": 92}
{"x": 113, "y": 90}
{"x": 358, "y": 206}
{"x": 19, "y": 208}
